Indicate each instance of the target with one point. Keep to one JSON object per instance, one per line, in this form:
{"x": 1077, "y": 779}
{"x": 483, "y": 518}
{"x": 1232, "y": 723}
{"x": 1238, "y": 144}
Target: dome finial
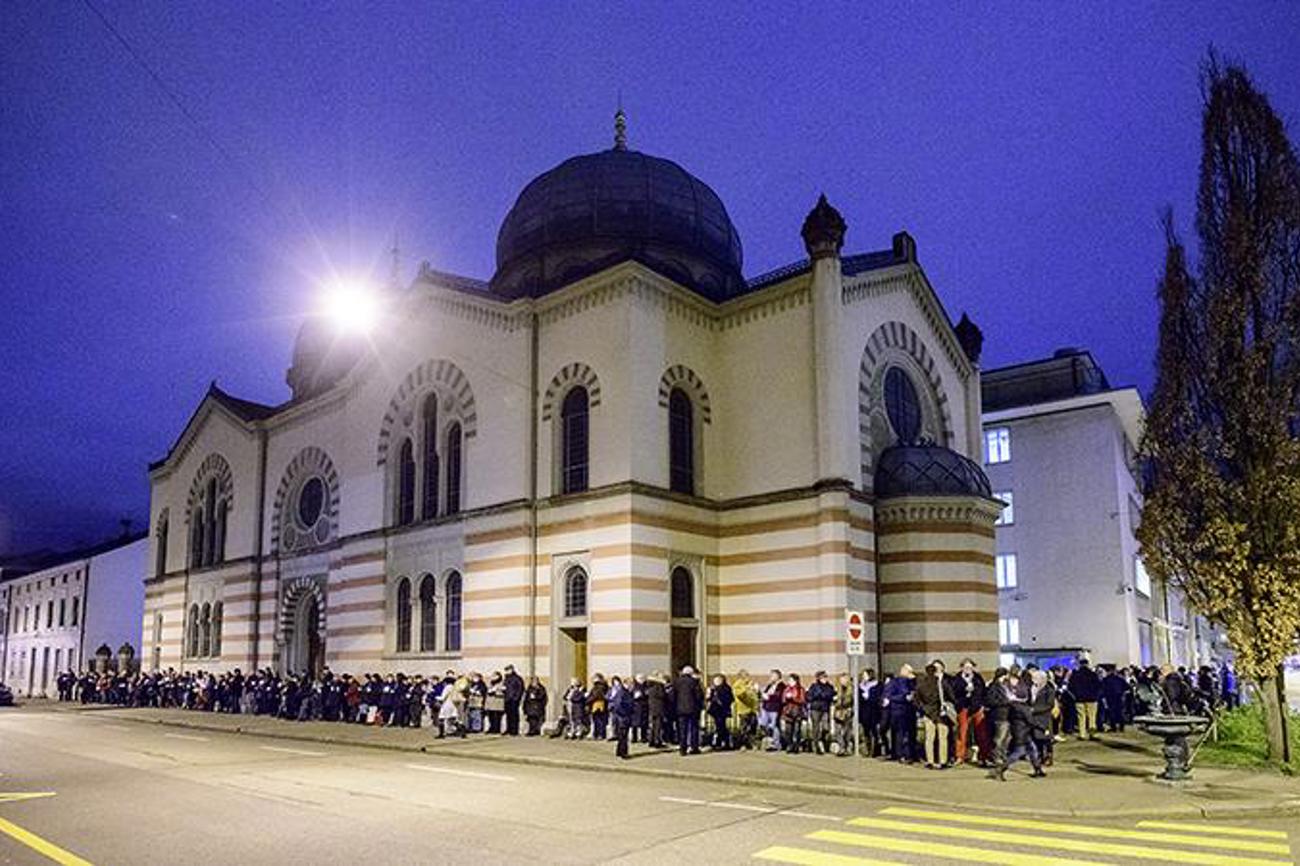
{"x": 620, "y": 126}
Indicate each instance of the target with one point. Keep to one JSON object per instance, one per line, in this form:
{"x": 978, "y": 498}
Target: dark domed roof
{"x": 593, "y": 211}
{"x": 926, "y": 469}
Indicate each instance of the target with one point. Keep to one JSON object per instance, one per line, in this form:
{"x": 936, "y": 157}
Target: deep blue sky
{"x": 142, "y": 257}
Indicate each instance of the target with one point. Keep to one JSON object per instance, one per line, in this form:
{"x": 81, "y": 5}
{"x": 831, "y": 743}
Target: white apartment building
{"x": 1060, "y": 450}
{"x": 56, "y": 618}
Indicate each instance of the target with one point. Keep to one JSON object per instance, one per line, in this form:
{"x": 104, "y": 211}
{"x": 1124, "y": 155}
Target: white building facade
{"x": 616, "y": 455}
{"x": 57, "y": 618}
{"x": 1060, "y": 449}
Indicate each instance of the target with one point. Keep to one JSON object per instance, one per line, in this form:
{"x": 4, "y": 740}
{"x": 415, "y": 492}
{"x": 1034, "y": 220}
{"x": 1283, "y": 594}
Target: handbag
{"x": 948, "y": 712}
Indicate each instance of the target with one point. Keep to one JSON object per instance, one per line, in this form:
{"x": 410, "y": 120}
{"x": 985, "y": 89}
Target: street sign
{"x": 855, "y": 633}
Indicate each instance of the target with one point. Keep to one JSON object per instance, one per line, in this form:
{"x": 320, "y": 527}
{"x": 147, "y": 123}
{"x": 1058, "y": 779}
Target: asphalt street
{"x": 125, "y": 793}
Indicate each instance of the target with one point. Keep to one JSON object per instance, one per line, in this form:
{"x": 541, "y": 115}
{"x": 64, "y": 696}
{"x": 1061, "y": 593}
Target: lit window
{"x": 1008, "y": 515}
{"x": 997, "y": 445}
{"x": 1009, "y": 631}
{"x": 1005, "y": 565}
{"x": 1141, "y": 580}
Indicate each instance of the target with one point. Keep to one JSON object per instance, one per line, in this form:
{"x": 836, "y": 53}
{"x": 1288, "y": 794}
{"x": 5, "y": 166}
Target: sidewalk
{"x": 1106, "y": 779}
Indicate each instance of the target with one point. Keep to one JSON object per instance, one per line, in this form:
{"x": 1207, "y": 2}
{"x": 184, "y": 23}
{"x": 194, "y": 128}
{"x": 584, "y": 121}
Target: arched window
{"x": 210, "y": 530}
{"x": 453, "y": 612}
{"x": 573, "y": 441}
{"x": 575, "y": 592}
{"x": 683, "y": 594}
{"x": 219, "y": 534}
{"x": 404, "y": 616}
{"x": 429, "y": 414}
{"x": 406, "y": 484}
{"x": 193, "y": 648}
{"x": 160, "y": 555}
{"x": 196, "y": 539}
{"x": 428, "y": 614}
{"x": 902, "y": 405}
{"x": 205, "y": 630}
{"x": 216, "y": 629}
{"x": 453, "y": 468}
{"x": 681, "y": 443}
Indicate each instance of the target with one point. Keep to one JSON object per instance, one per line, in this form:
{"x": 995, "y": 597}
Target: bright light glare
{"x": 353, "y": 307}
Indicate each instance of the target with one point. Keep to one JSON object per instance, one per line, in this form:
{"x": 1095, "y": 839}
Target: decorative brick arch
{"x": 293, "y": 593}
{"x": 571, "y": 376}
{"x": 433, "y": 375}
{"x": 681, "y": 376}
{"x": 894, "y": 343}
{"x": 310, "y": 462}
{"x": 213, "y": 466}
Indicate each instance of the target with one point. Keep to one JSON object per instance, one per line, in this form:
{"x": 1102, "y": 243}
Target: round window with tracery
{"x": 902, "y": 405}
{"x": 311, "y": 502}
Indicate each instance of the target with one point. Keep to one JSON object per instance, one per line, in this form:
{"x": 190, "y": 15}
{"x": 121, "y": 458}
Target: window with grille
{"x": 452, "y": 593}
{"x": 429, "y": 503}
{"x": 683, "y": 594}
{"x": 453, "y": 469}
{"x": 404, "y": 616}
{"x": 574, "y": 444}
{"x": 575, "y": 593}
{"x": 428, "y": 615}
{"x": 406, "y": 484}
{"x": 681, "y": 443}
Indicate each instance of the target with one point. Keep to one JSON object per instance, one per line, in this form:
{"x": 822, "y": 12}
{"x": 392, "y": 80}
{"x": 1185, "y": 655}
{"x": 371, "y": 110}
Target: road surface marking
{"x": 36, "y": 843}
{"x": 747, "y": 807}
{"x": 1211, "y": 828}
{"x": 806, "y": 857}
{"x": 292, "y": 751}
{"x": 1087, "y": 830}
{"x": 489, "y": 776}
{"x": 15, "y": 796}
{"x": 1086, "y": 846}
{"x": 938, "y": 849}
{"x": 186, "y": 737}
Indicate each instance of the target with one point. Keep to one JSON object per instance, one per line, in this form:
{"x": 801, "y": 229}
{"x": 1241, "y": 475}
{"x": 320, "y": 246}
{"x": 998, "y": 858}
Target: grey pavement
{"x": 123, "y": 791}
{"x": 1110, "y": 777}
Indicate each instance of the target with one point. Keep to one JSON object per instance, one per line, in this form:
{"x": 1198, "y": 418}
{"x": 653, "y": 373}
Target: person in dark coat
{"x": 640, "y": 718}
{"x": 688, "y": 698}
{"x": 598, "y": 706}
{"x": 1021, "y": 712}
{"x": 534, "y": 705}
{"x": 514, "y": 697}
{"x": 997, "y": 709}
{"x": 1114, "y": 698}
{"x": 821, "y": 694}
{"x": 1085, "y": 685}
{"x": 969, "y": 687}
{"x": 620, "y": 712}
{"x": 719, "y": 701}
{"x": 656, "y": 708}
{"x": 936, "y": 702}
{"x": 1178, "y": 694}
{"x": 901, "y": 713}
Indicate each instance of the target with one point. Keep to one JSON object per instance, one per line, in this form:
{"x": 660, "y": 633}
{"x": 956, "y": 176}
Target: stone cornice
{"x": 937, "y": 509}
{"x": 910, "y": 278}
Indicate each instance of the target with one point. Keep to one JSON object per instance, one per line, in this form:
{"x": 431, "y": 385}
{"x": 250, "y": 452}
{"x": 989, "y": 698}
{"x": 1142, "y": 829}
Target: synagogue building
{"x": 617, "y": 454}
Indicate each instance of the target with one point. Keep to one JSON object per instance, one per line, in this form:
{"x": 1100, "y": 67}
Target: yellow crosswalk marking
{"x": 1213, "y": 828}
{"x": 1086, "y": 846}
{"x": 36, "y": 843}
{"x": 938, "y": 849}
{"x": 808, "y": 857}
{"x": 1091, "y": 830}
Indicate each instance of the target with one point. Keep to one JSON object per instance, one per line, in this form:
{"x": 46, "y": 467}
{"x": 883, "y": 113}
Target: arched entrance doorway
{"x": 302, "y": 621}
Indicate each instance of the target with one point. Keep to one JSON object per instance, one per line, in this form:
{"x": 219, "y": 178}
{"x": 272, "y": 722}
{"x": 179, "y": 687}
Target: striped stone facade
{"x": 780, "y": 533}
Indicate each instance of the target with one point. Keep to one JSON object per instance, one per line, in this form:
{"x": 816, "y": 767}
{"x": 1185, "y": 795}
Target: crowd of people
{"x": 935, "y": 718}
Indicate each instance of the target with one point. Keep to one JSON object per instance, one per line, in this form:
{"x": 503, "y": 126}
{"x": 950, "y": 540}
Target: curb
{"x": 1283, "y": 809}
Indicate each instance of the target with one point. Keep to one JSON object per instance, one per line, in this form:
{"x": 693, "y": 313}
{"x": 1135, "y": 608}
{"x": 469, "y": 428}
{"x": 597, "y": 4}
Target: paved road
{"x": 126, "y": 793}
